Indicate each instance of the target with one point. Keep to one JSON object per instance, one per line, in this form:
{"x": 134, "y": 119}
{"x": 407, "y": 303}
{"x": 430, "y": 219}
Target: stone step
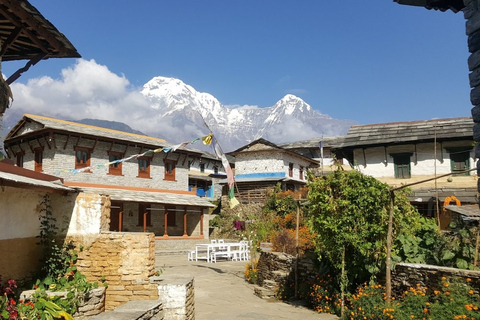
{"x": 134, "y": 310}
{"x": 264, "y": 293}
{"x": 270, "y": 285}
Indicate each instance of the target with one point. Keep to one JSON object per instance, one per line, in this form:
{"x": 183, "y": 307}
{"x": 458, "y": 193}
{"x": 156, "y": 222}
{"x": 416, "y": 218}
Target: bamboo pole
{"x": 388, "y": 276}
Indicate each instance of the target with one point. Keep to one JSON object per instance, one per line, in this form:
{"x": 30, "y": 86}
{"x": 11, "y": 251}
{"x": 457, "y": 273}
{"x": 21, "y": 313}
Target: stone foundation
{"x": 125, "y": 262}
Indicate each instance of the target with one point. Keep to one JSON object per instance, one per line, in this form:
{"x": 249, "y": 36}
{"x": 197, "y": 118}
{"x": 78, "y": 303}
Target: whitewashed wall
{"x": 270, "y": 162}
{"x": 376, "y": 165}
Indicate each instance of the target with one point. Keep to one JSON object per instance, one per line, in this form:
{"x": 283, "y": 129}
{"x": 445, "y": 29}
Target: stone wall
{"x": 92, "y": 304}
{"x": 178, "y": 298}
{"x": 125, "y": 261}
{"x": 406, "y": 275}
{"x": 277, "y": 270}
{"x": 472, "y": 26}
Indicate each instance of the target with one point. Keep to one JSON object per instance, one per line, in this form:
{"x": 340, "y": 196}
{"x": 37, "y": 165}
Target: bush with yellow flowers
{"x": 454, "y": 299}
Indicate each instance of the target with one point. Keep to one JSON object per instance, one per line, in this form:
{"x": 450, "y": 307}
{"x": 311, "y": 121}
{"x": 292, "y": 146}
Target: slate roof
{"x": 412, "y": 131}
{"x": 314, "y": 143}
{"x": 150, "y": 197}
{"x": 69, "y": 127}
{"x": 265, "y": 145}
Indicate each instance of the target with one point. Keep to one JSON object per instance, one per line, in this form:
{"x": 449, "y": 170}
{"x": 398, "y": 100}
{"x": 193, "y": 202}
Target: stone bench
{"x": 134, "y": 310}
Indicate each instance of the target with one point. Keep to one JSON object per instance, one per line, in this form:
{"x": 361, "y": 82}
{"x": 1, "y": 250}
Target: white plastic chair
{"x": 191, "y": 255}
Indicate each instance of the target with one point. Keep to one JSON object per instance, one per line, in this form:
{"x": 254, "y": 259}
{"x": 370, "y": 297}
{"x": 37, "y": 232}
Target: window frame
{"x": 170, "y": 176}
{"x": 458, "y": 153}
{"x": 400, "y": 166}
{"x": 88, "y": 152}
{"x": 116, "y": 168}
{"x": 145, "y": 174}
{"x": 290, "y": 169}
{"x": 38, "y": 159}
{"x": 20, "y": 158}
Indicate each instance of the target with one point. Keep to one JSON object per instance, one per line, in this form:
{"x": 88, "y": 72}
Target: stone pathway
{"x": 222, "y": 293}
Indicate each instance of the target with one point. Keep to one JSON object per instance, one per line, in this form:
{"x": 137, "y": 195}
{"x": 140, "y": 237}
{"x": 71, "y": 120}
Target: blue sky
{"x": 369, "y": 61}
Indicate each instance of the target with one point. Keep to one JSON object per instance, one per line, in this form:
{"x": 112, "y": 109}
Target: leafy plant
{"x": 251, "y": 271}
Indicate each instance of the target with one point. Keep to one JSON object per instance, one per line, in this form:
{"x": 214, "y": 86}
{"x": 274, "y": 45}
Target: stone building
{"x": 471, "y": 12}
{"x": 403, "y": 153}
{"x": 261, "y": 165}
{"x": 145, "y": 179}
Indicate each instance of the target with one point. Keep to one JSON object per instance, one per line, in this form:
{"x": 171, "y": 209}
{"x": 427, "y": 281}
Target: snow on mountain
{"x": 290, "y": 119}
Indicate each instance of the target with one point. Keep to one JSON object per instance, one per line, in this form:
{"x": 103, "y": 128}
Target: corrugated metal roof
{"x": 151, "y": 197}
{"x": 401, "y": 132}
{"x": 470, "y": 211}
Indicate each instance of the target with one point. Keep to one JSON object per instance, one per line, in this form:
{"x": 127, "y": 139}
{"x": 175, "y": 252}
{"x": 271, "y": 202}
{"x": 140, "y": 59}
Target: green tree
{"x": 348, "y": 211}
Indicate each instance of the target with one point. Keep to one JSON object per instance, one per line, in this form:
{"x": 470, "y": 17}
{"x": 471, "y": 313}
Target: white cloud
{"x": 85, "y": 90}
{"x": 242, "y": 107}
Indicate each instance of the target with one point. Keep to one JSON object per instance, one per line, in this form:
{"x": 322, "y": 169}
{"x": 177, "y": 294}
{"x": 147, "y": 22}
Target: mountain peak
{"x": 291, "y": 103}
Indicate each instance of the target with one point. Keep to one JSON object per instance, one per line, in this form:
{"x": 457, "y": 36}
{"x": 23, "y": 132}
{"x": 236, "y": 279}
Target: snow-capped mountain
{"x": 290, "y": 119}
{"x": 177, "y": 112}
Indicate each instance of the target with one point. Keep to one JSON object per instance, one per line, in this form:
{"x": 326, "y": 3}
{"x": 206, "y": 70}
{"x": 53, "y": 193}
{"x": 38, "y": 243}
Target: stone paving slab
{"x": 222, "y": 293}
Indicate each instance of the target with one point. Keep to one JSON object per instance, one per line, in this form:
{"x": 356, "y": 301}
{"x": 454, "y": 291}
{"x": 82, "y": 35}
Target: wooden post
{"x": 185, "y": 223}
{"x": 475, "y": 259}
{"x": 120, "y": 221}
{"x": 201, "y": 224}
{"x": 165, "y": 233}
{"x": 145, "y": 221}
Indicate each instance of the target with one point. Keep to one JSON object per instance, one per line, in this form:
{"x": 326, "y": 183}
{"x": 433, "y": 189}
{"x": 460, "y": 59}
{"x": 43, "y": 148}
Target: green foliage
{"x": 457, "y": 248}
{"x": 455, "y": 300}
{"x": 454, "y": 248}
{"x": 349, "y": 209}
{"x": 282, "y": 203}
{"x": 419, "y": 246}
{"x": 323, "y": 295}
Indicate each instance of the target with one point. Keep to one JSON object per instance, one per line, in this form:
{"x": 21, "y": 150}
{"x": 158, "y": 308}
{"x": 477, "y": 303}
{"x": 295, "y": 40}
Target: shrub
{"x": 251, "y": 272}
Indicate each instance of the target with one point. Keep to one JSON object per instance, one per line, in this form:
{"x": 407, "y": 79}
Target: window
{"x": 215, "y": 169}
{"x": 38, "y": 159}
{"x": 202, "y": 167}
{"x": 143, "y": 167}
{"x": 301, "y": 173}
{"x": 460, "y": 161}
{"x": 142, "y": 209}
{"x": 115, "y": 168}
{"x": 82, "y": 158}
{"x": 19, "y": 157}
{"x": 402, "y": 165}
{"x": 169, "y": 170}
{"x": 290, "y": 169}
